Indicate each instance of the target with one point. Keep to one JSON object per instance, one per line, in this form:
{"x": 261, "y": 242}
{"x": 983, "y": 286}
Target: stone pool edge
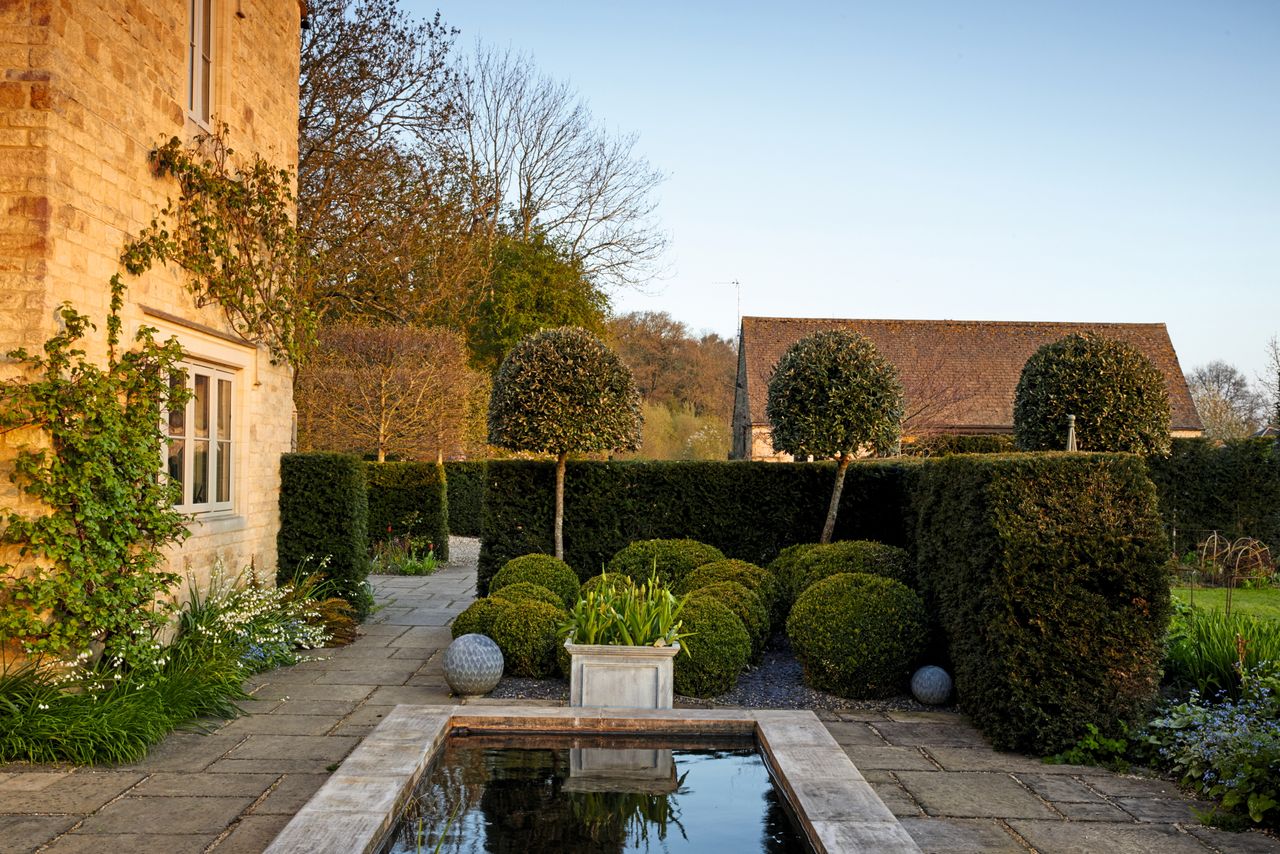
{"x": 357, "y": 806}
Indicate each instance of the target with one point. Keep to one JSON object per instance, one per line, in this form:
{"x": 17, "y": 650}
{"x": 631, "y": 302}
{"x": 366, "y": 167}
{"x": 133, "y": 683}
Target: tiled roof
{"x": 958, "y": 375}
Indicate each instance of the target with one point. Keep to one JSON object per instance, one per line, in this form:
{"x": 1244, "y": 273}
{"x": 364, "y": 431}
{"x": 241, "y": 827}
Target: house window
{"x": 200, "y": 61}
{"x": 199, "y": 447}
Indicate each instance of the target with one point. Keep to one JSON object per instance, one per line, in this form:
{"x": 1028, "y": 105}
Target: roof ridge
{"x": 753, "y": 318}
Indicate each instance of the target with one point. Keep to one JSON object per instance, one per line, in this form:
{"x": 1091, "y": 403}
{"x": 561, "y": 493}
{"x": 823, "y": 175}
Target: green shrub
{"x": 526, "y": 591}
{"x": 408, "y": 499}
{"x": 324, "y": 512}
{"x": 748, "y": 510}
{"x": 858, "y": 635}
{"x": 855, "y": 556}
{"x": 1201, "y": 651}
{"x": 757, "y": 580}
{"x": 786, "y": 569}
{"x": 528, "y": 633}
{"x": 670, "y": 560}
{"x": 945, "y": 444}
{"x": 748, "y": 608}
{"x": 1046, "y": 571}
{"x": 1232, "y": 488}
{"x": 1119, "y": 399}
{"x": 718, "y": 648}
{"x": 550, "y": 572}
{"x": 478, "y": 618}
{"x": 465, "y": 486}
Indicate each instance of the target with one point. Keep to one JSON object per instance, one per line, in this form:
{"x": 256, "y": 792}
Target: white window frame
{"x": 219, "y": 444}
{"x": 201, "y": 57}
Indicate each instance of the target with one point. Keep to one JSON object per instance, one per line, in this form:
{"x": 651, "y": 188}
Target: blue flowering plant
{"x": 1228, "y": 749}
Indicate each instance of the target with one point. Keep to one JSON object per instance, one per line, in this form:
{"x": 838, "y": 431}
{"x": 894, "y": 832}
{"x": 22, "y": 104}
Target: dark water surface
{"x": 573, "y": 794}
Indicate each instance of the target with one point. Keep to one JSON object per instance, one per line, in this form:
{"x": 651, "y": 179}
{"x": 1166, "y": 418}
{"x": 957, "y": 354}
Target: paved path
{"x": 232, "y": 790}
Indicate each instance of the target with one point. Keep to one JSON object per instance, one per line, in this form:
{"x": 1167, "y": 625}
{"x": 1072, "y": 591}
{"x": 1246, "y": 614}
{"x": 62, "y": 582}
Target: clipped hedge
{"x": 759, "y": 581}
{"x": 528, "y": 634}
{"x": 748, "y": 510}
{"x": 527, "y": 591}
{"x": 669, "y": 560}
{"x": 858, "y": 635}
{"x": 324, "y": 513}
{"x": 409, "y": 498}
{"x": 1232, "y": 488}
{"x": 545, "y": 570}
{"x": 1046, "y": 572}
{"x": 465, "y": 479}
{"x": 746, "y": 606}
{"x": 716, "y": 652}
{"x": 855, "y": 556}
{"x": 477, "y": 619}
{"x": 786, "y": 569}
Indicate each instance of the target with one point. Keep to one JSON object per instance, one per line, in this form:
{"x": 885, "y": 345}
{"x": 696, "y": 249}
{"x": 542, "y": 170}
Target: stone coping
{"x": 356, "y": 808}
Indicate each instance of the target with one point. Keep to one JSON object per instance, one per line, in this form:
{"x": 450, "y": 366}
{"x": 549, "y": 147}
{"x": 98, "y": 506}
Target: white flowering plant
{"x": 266, "y": 626}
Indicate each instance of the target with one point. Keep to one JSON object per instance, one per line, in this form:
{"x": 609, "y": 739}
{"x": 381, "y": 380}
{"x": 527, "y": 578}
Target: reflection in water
{"x": 481, "y": 796}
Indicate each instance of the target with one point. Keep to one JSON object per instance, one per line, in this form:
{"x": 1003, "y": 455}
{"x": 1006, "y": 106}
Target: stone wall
{"x": 89, "y": 88}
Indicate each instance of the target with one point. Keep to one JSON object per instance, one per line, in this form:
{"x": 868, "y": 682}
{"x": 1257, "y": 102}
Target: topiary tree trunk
{"x": 560, "y": 460}
{"x": 829, "y": 527}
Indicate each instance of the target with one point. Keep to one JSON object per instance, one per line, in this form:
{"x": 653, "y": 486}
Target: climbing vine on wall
{"x": 232, "y": 232}
{"x": 88, "y": 569}
{"x": 84, "y": 573}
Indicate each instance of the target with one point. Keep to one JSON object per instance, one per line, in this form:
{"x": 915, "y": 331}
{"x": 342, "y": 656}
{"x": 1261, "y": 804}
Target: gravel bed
{"x": 775, "y": 683}
{"x": 464, "y": 550}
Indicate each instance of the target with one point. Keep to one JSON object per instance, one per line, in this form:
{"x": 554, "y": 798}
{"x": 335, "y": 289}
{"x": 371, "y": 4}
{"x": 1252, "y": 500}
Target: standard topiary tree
{"x": 832, "y": 395}
{"x": 1119, "y": 399}
{"x": 560, "y": 391}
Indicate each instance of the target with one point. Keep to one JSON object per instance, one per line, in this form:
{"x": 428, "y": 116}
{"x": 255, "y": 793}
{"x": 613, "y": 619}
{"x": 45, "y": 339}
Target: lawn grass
{"x": 1263, "y": 603}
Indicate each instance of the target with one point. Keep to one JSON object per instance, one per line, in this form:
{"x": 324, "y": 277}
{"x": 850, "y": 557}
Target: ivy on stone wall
{"x": 88, "y": 577}
{"x": 233, "y": 234}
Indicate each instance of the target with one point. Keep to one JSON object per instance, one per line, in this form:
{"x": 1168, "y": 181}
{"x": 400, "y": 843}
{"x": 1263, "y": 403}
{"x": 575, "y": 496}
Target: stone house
{"x": 87, "y": 89}
{"x": 958, "y": 376}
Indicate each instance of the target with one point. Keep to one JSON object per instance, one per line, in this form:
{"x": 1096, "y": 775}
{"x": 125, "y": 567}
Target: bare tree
{"x": 1228, "y": 406}
{"x": 399, "y": 390}
{"x": 386, "y": 226}
{"x": 1270, "y": 382}
{"x": 935, "y": 398}
{"x": 540, "y": 162}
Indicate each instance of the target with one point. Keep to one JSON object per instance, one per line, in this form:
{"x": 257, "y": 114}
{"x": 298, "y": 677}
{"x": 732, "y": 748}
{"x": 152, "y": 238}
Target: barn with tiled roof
{"x": 958, "y": 376}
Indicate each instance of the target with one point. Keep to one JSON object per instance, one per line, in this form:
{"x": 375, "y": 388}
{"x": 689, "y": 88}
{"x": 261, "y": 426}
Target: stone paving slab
{"x": 961, "y": 836}
{"x": 129, "y": 843}
{"x": 1060, "y": 837}
{"x": 54, "y": 792}
{"x": 23, "y": 833}
{"x": 973, "y": 794}
{"x": 166, "y": 815}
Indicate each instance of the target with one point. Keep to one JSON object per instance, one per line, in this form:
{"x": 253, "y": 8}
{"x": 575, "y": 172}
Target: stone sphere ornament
{"x": 472, "y": 665}
{"x": 931, "y": 685}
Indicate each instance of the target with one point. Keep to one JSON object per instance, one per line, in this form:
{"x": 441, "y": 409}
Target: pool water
{"x": 574, "y": 794}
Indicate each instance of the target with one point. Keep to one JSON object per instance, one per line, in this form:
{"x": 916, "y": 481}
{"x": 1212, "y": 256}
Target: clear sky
{"x": 1074, "y": 160}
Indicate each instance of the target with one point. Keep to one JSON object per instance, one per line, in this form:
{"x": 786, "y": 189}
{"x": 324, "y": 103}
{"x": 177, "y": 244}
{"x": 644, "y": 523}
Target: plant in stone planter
{"x": 621, "y": 639}
{"x": 619, "y": 612}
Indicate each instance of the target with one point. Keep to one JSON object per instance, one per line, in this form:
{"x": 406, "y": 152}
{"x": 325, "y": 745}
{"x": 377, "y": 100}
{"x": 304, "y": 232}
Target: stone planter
{"x": 621, "y": 677}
